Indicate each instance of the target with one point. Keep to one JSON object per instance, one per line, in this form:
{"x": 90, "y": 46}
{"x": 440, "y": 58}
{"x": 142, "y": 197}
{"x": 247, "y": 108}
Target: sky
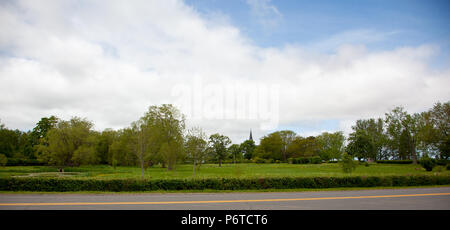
{"x": 229, "y": 66}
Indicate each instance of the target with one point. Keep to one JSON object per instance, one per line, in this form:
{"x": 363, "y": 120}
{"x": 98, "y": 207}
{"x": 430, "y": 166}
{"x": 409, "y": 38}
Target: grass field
{"x": 214, "y": 171}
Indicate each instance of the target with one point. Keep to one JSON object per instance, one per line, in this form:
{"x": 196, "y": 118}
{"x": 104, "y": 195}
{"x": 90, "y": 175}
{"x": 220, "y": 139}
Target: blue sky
{"x": 410, "y": 22}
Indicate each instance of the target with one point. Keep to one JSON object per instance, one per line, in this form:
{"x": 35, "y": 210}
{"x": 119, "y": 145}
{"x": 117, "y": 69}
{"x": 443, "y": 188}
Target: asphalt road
{"x": 379, "y": 199}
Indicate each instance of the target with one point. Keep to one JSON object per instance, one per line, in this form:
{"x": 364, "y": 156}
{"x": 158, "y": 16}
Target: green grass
{"x": 214, "y": 171}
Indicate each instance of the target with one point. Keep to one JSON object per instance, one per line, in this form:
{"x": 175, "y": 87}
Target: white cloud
{"x": 109, "y": 62}
{"x": 265, "y": 13}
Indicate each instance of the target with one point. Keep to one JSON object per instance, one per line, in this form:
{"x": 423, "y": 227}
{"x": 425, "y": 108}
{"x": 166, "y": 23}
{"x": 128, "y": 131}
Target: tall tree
{"x": 219, "y": 146}
{"x": 70, "y": 143}
{"x": 367, "y": 139}
{"x": 122, "y": 149}
{"x": 38, "y": 135}
{"x": 105, "y": 140}
{"x": 331, "y": 145}
{"x": 304, "y": 147}
{"x": 287, "y": 136}
{"x": 271, "y": 147}
{"x": 434, "y": 134}
{"x": 196, "y": 147}
{"x": 166, "y": 124}
{"x": 235, "y": 151}
{"x": 9, "y": 141}
{"x": 248, "y": 147}
{"x": 403, "y": 129}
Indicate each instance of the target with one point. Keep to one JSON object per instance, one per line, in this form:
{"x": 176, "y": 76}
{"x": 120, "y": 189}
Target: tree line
{"x": 160, "y": 137}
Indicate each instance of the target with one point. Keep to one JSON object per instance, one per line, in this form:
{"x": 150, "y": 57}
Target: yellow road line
{"x": 220, "y": 201}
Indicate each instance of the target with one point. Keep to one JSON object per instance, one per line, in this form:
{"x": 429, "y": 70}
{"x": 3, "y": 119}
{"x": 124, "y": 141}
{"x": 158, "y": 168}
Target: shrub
{"x": 23, "y": 162}
{"x": 305, "y": 160}
{"x": 439, "y": 168}
{"x": 315, "y": 160}
{"x": 394, "y": 162}
{"x": 442, "y": 162}
{"x": 348, "y": 164}
{"x": 269, "y": 161}
{"x": 427, "y": 163}
{"x": 259, "y": 160}
{"x": 3, "y": 160}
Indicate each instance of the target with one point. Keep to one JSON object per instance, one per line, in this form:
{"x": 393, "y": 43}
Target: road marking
{"x": 219, "y": 201}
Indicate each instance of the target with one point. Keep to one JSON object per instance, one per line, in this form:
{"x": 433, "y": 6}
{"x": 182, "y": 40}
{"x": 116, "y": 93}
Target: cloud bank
{"x": 109, "y": 62}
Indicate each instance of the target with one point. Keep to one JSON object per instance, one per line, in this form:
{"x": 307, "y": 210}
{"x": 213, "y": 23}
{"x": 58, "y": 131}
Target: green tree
{"x": 331, "y": 145}
{"x": 402, "y": 130}
{"x": 287, "y": 136}
{"x": 304, "y": 147}
{"x": 38, "y": 136}
{"x": 122, "y": 149}
{"x": 368, "y": 139}
{"x": 166, "y": 125}
{"x": 196, "y": 147}
{"x": 270, "y": 147}
{"x": 434, "y": 131}
{"x": 248, "y": 147}
{"x": 104, "y": 142}
{"x": 219, "y": 146}
{"x": 235, "y": 151}
{"x": 70, "y": 143}
{"x": 42, "y": 127}
{"x": 9, "y": 141}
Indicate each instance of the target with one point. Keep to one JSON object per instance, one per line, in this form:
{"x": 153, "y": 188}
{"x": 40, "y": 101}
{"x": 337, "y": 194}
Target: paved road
{"x": 385, "y": 199}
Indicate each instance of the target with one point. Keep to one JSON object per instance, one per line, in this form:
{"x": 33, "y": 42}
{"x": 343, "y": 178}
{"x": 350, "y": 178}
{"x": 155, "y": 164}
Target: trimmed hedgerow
{"x": 64, "y": 185}
{"x": 394, "y": 162}
{"x": 305, "y": 160}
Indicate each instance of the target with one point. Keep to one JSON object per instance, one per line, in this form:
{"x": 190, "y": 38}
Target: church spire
{"x": 250, "y": 138}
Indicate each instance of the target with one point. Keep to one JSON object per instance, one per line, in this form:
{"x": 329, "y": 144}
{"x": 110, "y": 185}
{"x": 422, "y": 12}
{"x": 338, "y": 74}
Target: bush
{"x": 305, "y": 160}
{"x": 439, "y": 168}
{"x": 259, "y": 160}
{"x": 3, "y": 160}
{"x": 315, "y": 160}
{"x": 66, "y": 184}
{"x": 348, "y": 164}
{"x": 23, "y": 162}
{"x": 442, "y": 162}
{"x": 427, "y": 163}
{"x": 394, "y": 162}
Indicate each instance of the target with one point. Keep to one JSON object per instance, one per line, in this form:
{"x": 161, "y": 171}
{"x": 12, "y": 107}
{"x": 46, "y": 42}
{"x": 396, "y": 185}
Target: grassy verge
{"x": 214, "y": 171}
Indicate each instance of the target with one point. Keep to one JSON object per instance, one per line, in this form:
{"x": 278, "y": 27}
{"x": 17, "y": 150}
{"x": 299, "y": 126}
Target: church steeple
{"x": 250, "y": 138}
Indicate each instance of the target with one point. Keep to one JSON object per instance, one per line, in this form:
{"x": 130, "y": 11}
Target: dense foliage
{"x": 160, "y": 137}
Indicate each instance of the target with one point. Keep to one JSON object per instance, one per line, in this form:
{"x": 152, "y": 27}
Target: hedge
{"x": 305, "y": 160}
{"x": 394, "y": 162}
{"x": 441, "y": 162}
{"x": 127, "y": 185}
{"x": 23, "y": 162}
